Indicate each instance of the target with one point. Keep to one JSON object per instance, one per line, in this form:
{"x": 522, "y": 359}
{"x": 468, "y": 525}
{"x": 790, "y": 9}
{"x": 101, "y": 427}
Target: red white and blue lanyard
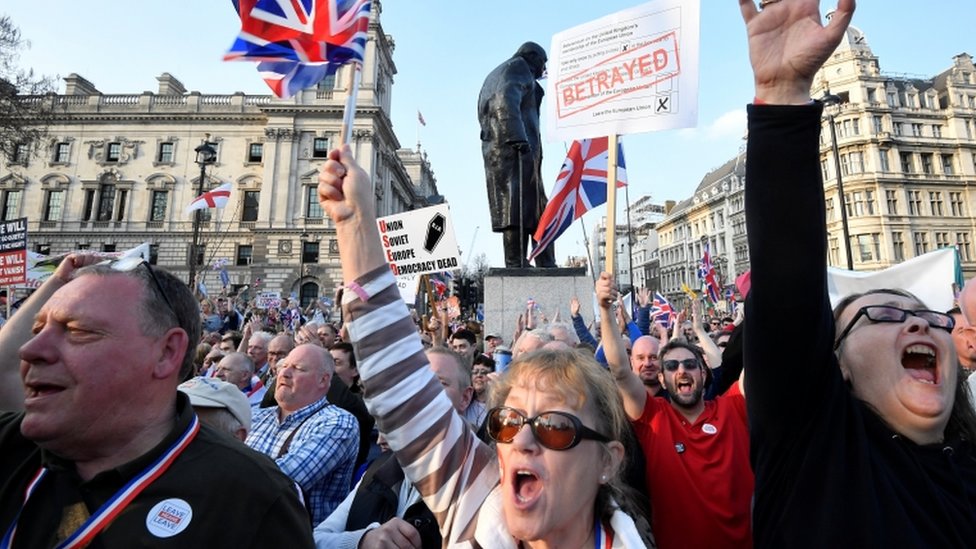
{"x": 602, "y": 541}
{"x": 111, "y": 508}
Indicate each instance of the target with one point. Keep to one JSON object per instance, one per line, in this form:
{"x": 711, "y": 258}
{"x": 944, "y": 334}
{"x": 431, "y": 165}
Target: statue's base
{"x": 507, "y": 292}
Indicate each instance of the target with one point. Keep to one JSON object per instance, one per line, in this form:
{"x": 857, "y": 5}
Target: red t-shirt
{"x": 699, "y": 478}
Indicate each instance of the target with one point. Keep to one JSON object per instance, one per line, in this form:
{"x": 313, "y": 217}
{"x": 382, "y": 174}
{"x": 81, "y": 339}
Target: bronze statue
{"x": 508, "y": 110}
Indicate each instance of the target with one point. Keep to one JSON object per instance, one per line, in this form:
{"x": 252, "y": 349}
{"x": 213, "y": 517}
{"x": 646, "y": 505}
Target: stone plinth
{"x": 507, "y": 292}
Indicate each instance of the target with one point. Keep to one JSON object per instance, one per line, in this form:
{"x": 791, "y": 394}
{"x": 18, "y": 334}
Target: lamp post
{"x": 830, "y": 100}
{"x": 206, "y": 156}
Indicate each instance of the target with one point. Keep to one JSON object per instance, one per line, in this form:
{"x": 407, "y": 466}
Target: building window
{"x": 956, "y": 204}
{"x": 947, "y": 164}
{"x": 43, "y": 249}
{"x": 310, "y": 292}
{"x": 883, "y": 160}
{"x": 868, "y": 247}
{"x": 941, "y": 240}
{"x": 86, "y": 213}
{"x": 62, "y": 152}
{"x": 200, "y": 254}
{"x": 310, "y": 252}
{"x": 255, "y": 153}
{"x": 834, "y": 252}
{"x": 877, "y": 123}
{"x": 244, "y": 255}
{"x": 935, "y": 202}
{"x": 936, "y": 130}
{"x": 250, "y": 211}
{"x": 891, "y": 197}
{"x": 825, "y": 169}
{"x": 916, "y": 130}
{"x": 898, "y": 247}
{"x": 320, "y": 147}
{"x": 921, "y": 243}
{"x": 11, "y": 204}
{"x": 157, "y": 211}
{"x": 327, "y": 83}
{"x": 108, "y": 248}
{"x": 19, "y": 155}
{"x": 845, "y": 165}
{"x": 106, "y": 202}
{"x": 857, "y": 162}
{"x": 165, "y": 153}
{"x": 907, "y": 165}
{"x": 113, "y": 152}
{"x": 869, "y": 202}
{"x": 313, "y": 209}
{"x": 927, "y": 163}
{"x": 53, "y": 204}
{"x": 962, "y": 244}
{"x": 914, "y": 202}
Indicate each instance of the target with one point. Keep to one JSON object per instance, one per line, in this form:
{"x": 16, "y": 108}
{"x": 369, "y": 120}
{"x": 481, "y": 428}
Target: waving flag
{"x": 706, "y": 272}
{"x": 216, "y": 198}
{"x": 420, "y": 118}
{"x": 661, "y": 311}
{"x": 580, "y": 187}
{"x": 299, "y": 42}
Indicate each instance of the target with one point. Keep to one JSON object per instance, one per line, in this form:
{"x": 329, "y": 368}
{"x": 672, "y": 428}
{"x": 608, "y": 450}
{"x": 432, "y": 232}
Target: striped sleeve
{"x": 450, "y": 467}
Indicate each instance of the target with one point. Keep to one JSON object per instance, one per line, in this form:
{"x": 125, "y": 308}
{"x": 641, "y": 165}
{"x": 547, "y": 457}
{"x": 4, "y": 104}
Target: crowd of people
{"x": 136, "y": 414}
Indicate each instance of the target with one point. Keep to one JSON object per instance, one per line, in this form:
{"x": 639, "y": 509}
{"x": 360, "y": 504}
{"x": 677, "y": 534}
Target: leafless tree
{"x": 24, "y": 113}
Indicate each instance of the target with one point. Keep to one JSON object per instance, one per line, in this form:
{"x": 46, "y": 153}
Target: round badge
{"x": 709, "y": 429}
{"x": 169, "y": 517}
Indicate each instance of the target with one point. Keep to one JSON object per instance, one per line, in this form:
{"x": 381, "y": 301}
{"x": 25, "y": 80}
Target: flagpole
{"x": 589, "y": 257}
{"x": 630, "y": 238}
{"x": 611, "y": 243}
{"x": 349, "y": 116}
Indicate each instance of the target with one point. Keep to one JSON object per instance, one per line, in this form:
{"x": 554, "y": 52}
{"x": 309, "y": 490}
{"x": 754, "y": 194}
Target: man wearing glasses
{"x": 96, "y": 443}
{"x": 697, "y": 451}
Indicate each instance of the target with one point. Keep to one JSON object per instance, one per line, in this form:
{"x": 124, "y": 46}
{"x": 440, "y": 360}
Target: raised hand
{"x": 644, "y": 297}
{"x": 574, "y": 307}
{"x": 606, "y": 291}
{"x": 788, "y": 44}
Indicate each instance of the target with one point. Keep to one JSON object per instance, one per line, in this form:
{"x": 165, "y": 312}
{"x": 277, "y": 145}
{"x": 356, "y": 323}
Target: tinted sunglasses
{"x": 553, "y": 430}
{"x": 672, "y": 365}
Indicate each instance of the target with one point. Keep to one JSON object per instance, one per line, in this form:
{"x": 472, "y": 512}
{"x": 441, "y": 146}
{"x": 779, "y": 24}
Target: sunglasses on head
{"x": 553, "y": 430}
{"x": 672, "y": 364}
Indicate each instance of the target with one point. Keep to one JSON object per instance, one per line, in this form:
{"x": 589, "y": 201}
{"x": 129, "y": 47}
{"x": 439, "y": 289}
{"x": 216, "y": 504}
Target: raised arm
{"x": 19, "y": 329}
{"x": 628, "y": 383}
{"x": 713, "y": 355}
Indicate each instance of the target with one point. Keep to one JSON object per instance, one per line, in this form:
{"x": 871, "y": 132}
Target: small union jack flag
{"x": 661, "y": 311}
{"x": 580, "y": 187}
{"x": 706, "y": 273}
{"x": 299, "y": 42}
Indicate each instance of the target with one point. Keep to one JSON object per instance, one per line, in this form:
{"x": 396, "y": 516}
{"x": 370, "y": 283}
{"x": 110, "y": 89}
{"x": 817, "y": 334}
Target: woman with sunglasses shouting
{"x": 553, "y": 479}
{"x": 861, "y": 433}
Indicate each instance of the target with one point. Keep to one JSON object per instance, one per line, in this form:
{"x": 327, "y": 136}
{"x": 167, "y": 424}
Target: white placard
{"x": 420, "y": 241}
{"x": 630, "y": 72}
{"x": 268, "y": 300}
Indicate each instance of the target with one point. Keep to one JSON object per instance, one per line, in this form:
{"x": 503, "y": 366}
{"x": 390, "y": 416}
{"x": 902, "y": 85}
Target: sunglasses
{"x": 126, "y": 264}
{"x": 672, "y": 365}
{"x": 891, "y": 314}
{"x": 553, "y": 430}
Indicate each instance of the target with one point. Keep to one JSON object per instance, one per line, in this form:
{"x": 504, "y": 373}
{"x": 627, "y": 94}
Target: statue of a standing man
{"x": 508, "y": 110}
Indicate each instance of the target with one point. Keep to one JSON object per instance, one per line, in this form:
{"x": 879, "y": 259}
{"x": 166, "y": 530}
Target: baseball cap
{"x": 493, "y": 335}
{"x": 209, "y": 392}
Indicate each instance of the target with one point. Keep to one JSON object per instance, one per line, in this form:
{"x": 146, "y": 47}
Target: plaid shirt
{"x": 321, "y": 456}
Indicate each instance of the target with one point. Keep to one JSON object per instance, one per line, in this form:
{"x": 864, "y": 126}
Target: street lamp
{"x": 206, "y": 156}
{"x": 829, "y": 100}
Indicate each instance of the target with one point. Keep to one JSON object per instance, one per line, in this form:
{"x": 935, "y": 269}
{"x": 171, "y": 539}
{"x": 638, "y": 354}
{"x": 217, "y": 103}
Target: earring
{"x": 603, "y": 479}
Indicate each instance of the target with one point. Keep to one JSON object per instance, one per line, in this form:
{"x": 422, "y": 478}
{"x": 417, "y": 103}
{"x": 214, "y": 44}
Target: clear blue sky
{"x": 443, "y": 52}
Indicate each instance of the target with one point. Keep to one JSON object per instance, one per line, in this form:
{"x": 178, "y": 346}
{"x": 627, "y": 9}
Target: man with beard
{"x": 697, "y": 451}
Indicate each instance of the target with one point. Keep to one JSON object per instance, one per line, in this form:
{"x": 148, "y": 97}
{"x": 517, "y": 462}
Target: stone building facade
{"x": 118, "y": 170}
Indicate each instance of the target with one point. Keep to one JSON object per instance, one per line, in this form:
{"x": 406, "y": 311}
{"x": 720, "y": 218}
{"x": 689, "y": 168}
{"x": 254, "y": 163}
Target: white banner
{"x": 420, "y": 241}
{"x": 630, "y": 72}
{"x": 929, "y": 276}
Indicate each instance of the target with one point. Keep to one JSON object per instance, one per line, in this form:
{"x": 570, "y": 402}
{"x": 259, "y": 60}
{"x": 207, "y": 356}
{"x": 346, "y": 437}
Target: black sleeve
{"x": 791, "y": 373}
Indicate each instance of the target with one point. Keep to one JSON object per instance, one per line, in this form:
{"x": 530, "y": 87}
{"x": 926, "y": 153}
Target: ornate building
{"x": 906, "y": 152}
{"x": 118, "y": 170}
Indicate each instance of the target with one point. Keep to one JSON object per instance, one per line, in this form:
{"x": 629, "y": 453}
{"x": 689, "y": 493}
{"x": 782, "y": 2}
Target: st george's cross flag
{"x": 215, "y": 198}
{"x": 580, "y": 187}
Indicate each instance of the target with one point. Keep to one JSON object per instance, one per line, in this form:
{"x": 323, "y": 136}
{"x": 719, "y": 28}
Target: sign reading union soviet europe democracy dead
{"x": 420, "y": 241}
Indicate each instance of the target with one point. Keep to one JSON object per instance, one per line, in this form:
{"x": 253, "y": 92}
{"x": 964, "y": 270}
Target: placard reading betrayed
{"x": 13, "y": 252}
{"x": 630, "y": 72}
{"x": 421, "y": 241}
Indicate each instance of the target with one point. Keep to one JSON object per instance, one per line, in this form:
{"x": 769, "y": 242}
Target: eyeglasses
{"x": 688, "y": 363}
{"x": 480, "y": 372}
{"x": 553, "y": 430}
{"x": 126, "y": 264}
{"x": 889, "y": 313}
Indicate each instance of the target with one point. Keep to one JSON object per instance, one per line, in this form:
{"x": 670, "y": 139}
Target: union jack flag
{"x": 580, "y": 187}
{"x": 299, "y": 42}
{"x": 706, "y": 273}
{"x": 217, "y": 198}
{"x": 661, "y": 311}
